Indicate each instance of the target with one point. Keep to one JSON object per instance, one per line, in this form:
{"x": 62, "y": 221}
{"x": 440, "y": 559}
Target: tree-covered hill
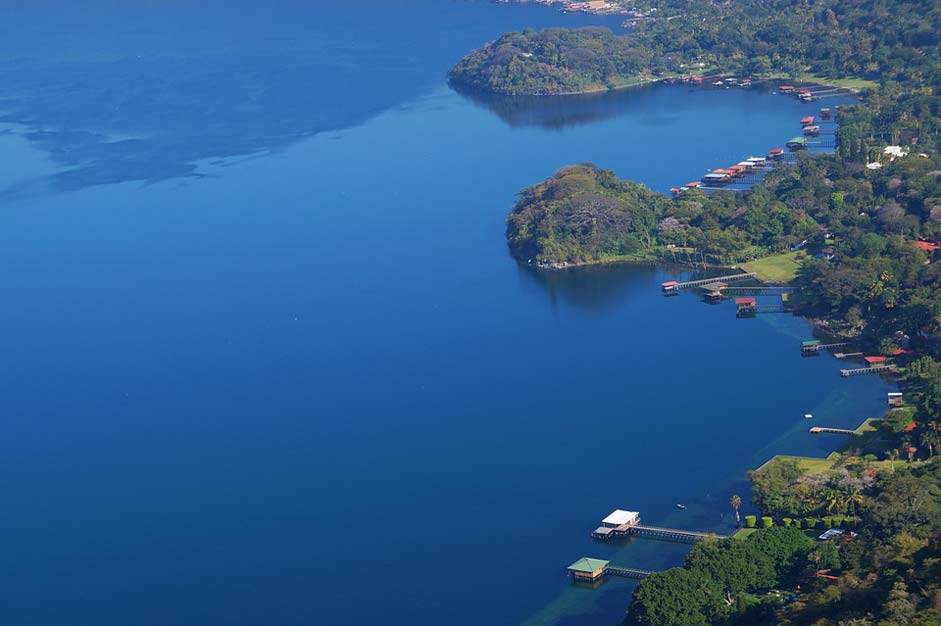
{"x": 553, "y": 61}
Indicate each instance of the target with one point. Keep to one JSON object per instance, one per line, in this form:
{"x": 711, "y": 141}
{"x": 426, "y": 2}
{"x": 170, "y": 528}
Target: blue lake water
{"x": 268, "y": 362}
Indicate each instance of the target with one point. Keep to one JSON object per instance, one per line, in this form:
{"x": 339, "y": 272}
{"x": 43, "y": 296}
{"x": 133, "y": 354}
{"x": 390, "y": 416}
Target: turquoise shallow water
{"x": 267, "y": 358}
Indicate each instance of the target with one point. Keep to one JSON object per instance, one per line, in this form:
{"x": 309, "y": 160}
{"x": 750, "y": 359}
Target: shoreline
{"x": 815, "y": 82}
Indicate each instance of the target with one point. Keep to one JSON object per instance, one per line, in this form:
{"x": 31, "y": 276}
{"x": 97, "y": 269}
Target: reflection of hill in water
{"x": 590, "y": 288}
{"x": 557, "y": 112}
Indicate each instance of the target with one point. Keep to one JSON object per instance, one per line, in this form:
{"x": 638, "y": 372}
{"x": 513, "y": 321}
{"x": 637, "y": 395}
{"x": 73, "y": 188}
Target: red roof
{"x": 745, "y": 301}
{"x": 927, "y": 246}
{"x": 874, "y": 359}
{"x": 913, "y": 449}
{"x": 901, "y": 351}
{"x": 695, "y": 183}
{"x": 803, "y": 91}
{"x": 809, "y": 119}
{"x": 785, "y": 87}
{"x": 776, "y": 151}
{"x": 721, "y": 171}
{"x": 912, "y": 426}
{"x": 669, "y": 283}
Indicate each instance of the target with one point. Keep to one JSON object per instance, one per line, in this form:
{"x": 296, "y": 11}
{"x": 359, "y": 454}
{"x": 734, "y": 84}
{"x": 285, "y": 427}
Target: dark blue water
{"x": 267, "y": 361}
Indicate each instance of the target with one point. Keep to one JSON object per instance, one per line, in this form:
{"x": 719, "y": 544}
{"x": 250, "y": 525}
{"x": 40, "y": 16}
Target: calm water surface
{"x": 267, "y": 361}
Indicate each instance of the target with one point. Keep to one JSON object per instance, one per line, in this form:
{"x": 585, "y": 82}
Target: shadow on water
{"x": 142, "y": 93}
{"x": 589, "y": 288}
{"x": 560, "y": 112}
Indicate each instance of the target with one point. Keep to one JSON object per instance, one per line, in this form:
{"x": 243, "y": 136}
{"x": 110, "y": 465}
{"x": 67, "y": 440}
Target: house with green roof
{"x": 587, "y": 569}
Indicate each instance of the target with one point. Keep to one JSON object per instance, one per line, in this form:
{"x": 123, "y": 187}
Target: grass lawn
{"x": 849, "y": 83}
{"x": 809, "y": 464}
{"x": 742, "y": 533}
{"x": 778, "y": 268}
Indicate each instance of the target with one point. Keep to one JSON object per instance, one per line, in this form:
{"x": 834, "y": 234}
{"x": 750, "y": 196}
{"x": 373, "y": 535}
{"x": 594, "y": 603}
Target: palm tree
{"x": 854, "y": 499}
{"x": 930, "y": 438}
{"x": 736, "y": 502}
{"x": 893, "y": 454}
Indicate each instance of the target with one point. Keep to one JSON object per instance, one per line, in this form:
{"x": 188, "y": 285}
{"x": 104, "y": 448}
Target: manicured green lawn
{"x": 849, "y": 83}
{"x": 778, "y": 268}
{"x": 742, "y": 533}
{"x": 811, "y": 465}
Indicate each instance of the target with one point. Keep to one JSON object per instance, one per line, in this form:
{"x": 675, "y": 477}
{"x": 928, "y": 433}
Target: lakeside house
{"x": 587, "y": 569}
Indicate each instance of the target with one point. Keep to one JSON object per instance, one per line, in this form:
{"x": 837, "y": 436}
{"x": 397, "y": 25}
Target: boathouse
{"x": 875, "y": 361}
{"x": 621, "y": 519}
{"x": 776, "y": 153}
{"x": 797, "y": 143}
{"x": 587, "y": 569}
{"x": 746, "y": 306}
{"x": 810, "y": 347}
{"x": 786, "y": 89}
{"x": 811, "y": 131}
{"x": 807, "y": 120}
{"x": 825, "y": 114}
{"x": 670, "y": 285}
{"x": 712, "y": 179}
{"x": 713, "y": 291}
{"x": 895, "y": 399}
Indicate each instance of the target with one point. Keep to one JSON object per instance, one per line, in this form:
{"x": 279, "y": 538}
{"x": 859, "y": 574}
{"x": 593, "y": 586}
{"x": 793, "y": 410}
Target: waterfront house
{"x": 797, "y": 143}
{"x": 587, "y": 569}
{"x": 746, "y": 306}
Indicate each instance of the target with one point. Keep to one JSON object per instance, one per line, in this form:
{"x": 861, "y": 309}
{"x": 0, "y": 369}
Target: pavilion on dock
{"x": 587, "y": 569}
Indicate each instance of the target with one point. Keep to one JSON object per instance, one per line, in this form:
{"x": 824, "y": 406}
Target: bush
{"x": 787, "y": 522}
{"x": 767, "y": 522}
{"x": 797, "y": 523}
{"x": 810, "y": 522}
{"x": 750, "y": 521}
{"x": 827, "y": 522}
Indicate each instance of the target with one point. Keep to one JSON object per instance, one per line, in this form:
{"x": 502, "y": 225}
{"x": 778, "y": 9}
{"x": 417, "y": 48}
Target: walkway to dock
{"x": 826, "y": 429}
{"x": 809, "y": 347}
{"x": 668, "y": 287}
{"x": 626, "y": 572}
{"x": 672, "y": 534}
{"x": 876, "y": 369}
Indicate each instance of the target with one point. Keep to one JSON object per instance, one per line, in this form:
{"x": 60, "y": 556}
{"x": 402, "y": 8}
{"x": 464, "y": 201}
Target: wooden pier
{"x": 813, "y": 347}
{"x": 816, "y": 430}
{"x": 627, "y": 572}
{"x": 875, "y": 369}
{"x": 676, "y": 286}
{"x": 672, "y": 534}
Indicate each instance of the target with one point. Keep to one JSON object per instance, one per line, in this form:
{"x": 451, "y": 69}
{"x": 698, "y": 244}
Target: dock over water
{"x": 625, "y": 523}
{"x": 816, "y": 430}
{"x": 673, "y": 286}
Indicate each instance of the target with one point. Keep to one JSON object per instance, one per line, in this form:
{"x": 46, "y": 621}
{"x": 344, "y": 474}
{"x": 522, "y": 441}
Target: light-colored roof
{"x": 587, "y": 565}
{"x": 620, "y": 517}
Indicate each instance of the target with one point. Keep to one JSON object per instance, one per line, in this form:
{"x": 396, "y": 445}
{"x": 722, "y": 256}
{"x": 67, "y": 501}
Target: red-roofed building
{"x": 670, "y": 285}
{"x": 873, "y": 361}
{"x": 911, "y": 427}
{"x": 746, "y": 306}
{"x": 927, "y": 246}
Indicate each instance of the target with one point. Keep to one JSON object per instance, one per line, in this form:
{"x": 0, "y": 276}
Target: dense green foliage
{"x": 882, "y": 40}
{"x": 719, "y": 579}
{"x": 553, "y": 61}
{"x": 888, "y": 575}
{"x": 584, "y": 214}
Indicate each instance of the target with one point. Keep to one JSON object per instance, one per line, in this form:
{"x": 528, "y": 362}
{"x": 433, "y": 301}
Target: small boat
{"x": 808, "y": 416}
{"x": 681, "y": 506}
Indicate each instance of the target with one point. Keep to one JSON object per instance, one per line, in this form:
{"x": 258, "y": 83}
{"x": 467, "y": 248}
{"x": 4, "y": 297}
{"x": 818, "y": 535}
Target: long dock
{"x": 876, "y": 369}
{"x": 827, "y": 429}
{"x": 626, "y": 572}
{"x": 675, "y": 286}
{"x": 675, "y": 535}
{"x": 811, "y": 347}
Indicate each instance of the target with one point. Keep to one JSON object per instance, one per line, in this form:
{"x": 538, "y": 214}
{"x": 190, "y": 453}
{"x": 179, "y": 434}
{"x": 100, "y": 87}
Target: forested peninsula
{"x": 862, "y": 228}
